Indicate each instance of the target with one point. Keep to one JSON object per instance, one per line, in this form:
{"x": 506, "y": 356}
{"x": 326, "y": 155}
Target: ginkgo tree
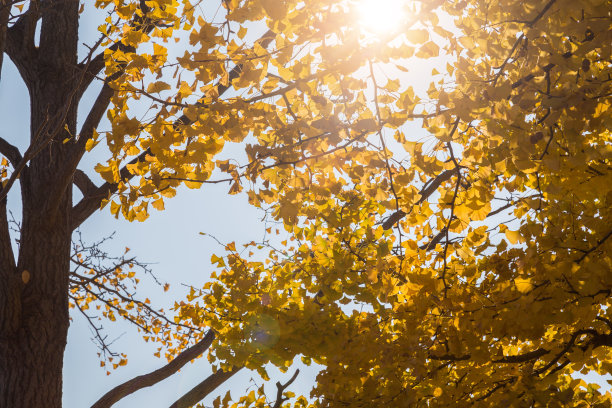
{"x": 470, "y": 266}
{"x": 467, "y": 268}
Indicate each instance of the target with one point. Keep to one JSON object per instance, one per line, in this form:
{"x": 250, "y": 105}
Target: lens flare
{"x": 381, "y": 16}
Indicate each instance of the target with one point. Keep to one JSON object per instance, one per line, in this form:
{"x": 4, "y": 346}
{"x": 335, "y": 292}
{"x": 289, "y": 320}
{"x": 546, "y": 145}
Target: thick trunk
{"x": 31, "y": 352}
{"x": 31, "y": 357}
{"x": 32, "y": 349}
{"x": 34, "y": 304}
{"x": 4, "y": 17}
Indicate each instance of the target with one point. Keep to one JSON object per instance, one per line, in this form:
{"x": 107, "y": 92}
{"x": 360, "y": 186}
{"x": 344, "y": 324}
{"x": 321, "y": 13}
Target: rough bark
{"x": 34, "y": 304}
{"x": 4, "y": 18}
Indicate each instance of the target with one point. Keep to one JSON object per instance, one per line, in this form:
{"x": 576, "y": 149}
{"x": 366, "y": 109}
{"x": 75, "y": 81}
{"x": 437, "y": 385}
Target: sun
{"x": 381, "y": 16}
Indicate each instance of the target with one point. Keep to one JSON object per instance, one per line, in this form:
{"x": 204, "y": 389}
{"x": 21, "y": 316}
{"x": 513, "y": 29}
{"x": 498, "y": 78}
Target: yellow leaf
{"x": 276, "y": 9}
{"x": 523, "y": 285}
{"x": 25, "y": 276}
{"x": 159, "y": 50}
{"x": 513, "y": 236}
{"x": 526, "y": 166}
{"x": 158, "y": 204}
{"x": 157, "y": 86}
{"x": 428, "y": 50}
{"x": 242, "y": 32}
{"x": 91, "y": 143}
{"x": 115, "y": 208}
{"x": 417, "y": 36}
{"x": 373, "y": 275}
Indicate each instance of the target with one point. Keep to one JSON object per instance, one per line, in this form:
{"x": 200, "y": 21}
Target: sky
{"x": 171, "y": 242}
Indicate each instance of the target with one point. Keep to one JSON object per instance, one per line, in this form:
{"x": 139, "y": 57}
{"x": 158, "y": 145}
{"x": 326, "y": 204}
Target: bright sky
{"x": 379, "y": 16}
{"x": 170, "y": 239}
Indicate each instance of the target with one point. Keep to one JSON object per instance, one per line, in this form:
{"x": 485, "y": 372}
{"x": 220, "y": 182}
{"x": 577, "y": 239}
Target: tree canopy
{"x": 466, "y": 263}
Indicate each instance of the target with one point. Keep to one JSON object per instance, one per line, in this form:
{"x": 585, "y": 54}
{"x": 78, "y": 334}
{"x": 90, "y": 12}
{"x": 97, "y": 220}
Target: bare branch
{"x": 19, "y": 39}
{"x": 7, "y": 257}
{"x": 12, "y": 286}
{"x": 18, "y": 168}
{"x": 95, "y": 114}
{"x": 91, "y": 68}
{"x": 8, "y": 150}
{"x": 83, "y": 182}
{"x": 200, "y": 391}
{"x": 156, "y": 376}
{"x": 98, "y": 338}
{"x": 280, "y": 389}
{"x": 43, "y": 136}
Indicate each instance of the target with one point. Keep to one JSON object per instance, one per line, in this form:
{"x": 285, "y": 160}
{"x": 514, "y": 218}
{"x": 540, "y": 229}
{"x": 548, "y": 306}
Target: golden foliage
{"x": 490, "y": 283}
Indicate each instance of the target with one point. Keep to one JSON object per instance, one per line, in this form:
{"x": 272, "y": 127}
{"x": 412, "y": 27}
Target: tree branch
{"x": 19, "y": 39}
{"x": 8, "y": 150}
{"x": 425, "y": 192}
{"x": 39, "y": 142}
{"x": 90, "y": 69}
{"x": 156, "y": 376}
{"x": 435, "y": 240}
{"x": 92, "y": 201}
{"x": 200, "y": 391}
{"x": 541, "y": 13}
{"x": 566, "y": 349}
{"x": 5, "y": 12}
{"x": 83, "y": 182}
{"x": 521, "y": 358}
{"x": 95, "y": 115}
{"x": 599, "y": 242}
{"x": 280, "y": 389}
{"x": 234, "y": 73}
{"x": 12, "y": 284}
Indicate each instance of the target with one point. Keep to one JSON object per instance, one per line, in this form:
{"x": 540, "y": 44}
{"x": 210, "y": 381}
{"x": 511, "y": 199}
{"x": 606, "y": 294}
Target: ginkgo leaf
{"x": 523, "y": 285}
{"x": 513, "y": 236}
{"x": 158, "y": 86}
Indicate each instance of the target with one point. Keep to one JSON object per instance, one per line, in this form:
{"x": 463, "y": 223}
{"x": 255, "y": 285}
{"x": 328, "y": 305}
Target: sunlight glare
{"x": 381, "y": 16}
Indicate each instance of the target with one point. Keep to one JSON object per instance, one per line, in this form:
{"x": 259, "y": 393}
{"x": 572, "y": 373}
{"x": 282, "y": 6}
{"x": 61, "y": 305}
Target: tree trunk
{"x": 34, "y": 301}
{"x": 31, "y": 357}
